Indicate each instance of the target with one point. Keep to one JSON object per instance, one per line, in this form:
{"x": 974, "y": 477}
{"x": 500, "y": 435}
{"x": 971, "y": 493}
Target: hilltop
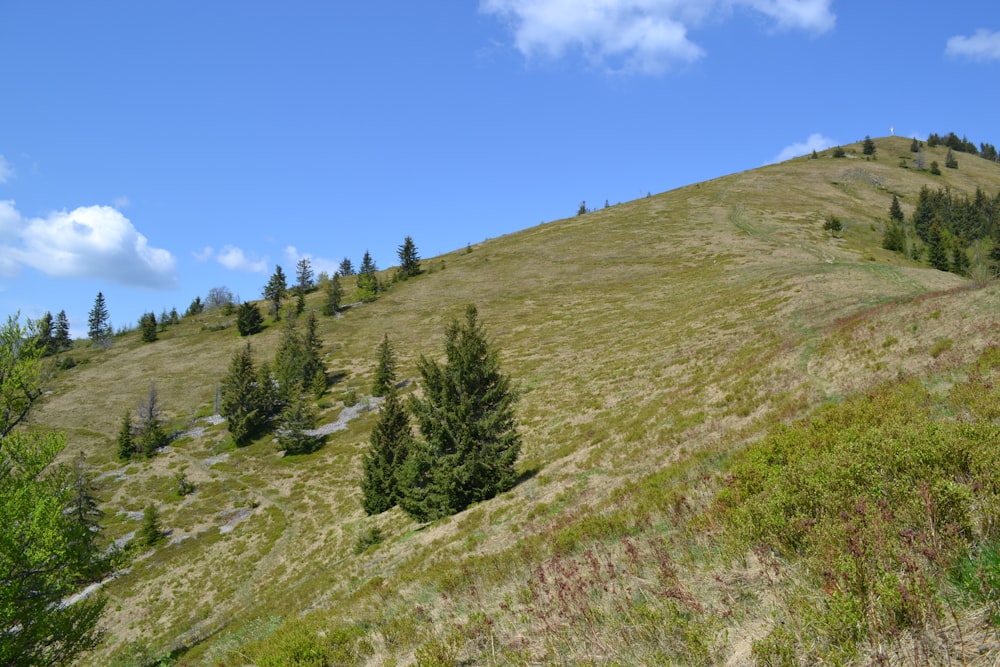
{"x": 652, "y": 341}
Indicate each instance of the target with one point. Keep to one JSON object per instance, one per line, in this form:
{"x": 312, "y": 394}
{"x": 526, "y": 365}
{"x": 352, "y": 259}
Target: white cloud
{"x": 121, "y": 202}
{"x": 637, "y": 36}
{"x": 6, "y": 170}
{"x": 319, "y": 264}
{"x": 204, "y": 254}
{"x": 235, "y": 259}
{"x": 92, "y": 242}
{"x": 983, "y": 45}
{"x": 815, "y": 142}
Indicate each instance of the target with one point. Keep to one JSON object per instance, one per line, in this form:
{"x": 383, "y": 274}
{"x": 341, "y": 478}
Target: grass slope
{"x": 650, "y": 340}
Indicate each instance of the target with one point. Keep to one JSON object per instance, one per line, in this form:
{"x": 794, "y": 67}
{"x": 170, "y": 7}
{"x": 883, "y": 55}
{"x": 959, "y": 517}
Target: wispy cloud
{"x": 87, "y": 242}
{"x": 637, "y": 36}
{"x": 983, "y": 45}
{"x": 6, "y": 170}
{"x": 236, "y": 259}
{"x": 815, "y": 142}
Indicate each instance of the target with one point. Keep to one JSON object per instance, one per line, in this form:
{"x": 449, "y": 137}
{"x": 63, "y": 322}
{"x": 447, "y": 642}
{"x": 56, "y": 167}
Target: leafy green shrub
{"x": 875, "y": 498}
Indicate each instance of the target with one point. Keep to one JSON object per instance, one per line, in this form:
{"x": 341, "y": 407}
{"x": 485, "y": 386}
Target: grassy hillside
{"x": 651, "y": 341}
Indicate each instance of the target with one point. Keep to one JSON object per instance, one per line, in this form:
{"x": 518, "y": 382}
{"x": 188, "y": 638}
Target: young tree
{"x": 949, "y": 160}
{"x": 390, "y": 445}
{"x": 245, "y": 400}
{"x": 248, "y": 319}
{"x": 346, "y": 268}
{"x": 150, "y": 533}
{"x": 367, "y": 281}
{"x": 583, "y": 208}
{"x": 385, "y": 370}
{"x": 868, "y": 147}
{"x": 195, "y": 308}
{"x": 297, "y": 419}
{"x": 304, "y": 276}
{"x": 275, "y": 290}
{"x": 45, "y": 340}
{"x": 61, "y": 332}
{"x": 894, "y": 238}
{"x": 334, "y": 292}
{"x": 126, "y": 438}
{"x": 45, "y": 553}
{"x": 895, "y": 210}
{"x": 466, "y": 419}
{"x": 147, "y": 327}
{"x": 84, "y": 508}
{"x": 409, "y": 260}
{"x": 914, "y": 146}
{"x": 918, "y": 162}
{"x": 935, "y": 169}
{"x": 99, "y": 328}
{"x": 937, "y": 252}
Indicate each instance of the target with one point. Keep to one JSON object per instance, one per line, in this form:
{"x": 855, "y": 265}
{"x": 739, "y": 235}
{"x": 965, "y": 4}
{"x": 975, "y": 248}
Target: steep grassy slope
{"x": 649, "y": 339}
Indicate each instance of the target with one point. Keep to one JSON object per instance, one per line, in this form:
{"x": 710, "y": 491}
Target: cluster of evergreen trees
{"x": 253, "y": 396}
{"x": 944, "y": 225}
{"x": 144, "y": 435}
{"x": 468, "y": 441}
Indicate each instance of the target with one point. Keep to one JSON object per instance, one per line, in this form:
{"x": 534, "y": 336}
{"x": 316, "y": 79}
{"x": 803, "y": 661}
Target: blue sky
{"x": 154, "y": 150}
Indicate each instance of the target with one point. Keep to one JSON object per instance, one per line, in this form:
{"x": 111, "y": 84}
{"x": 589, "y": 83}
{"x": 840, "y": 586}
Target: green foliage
{"x": 182, "y": 485}
{"x": 385, "y": 370}
{"x": 249, "y": 319}
{"x": 582, "y": 210}
{"x": 466, "y": 419}
{"x": 147, "y": 327}
{"x": 247, "y": 397}
{"x": 296, "y": 419}
{"x": 47, "y": 546}
{"x": 894, "y": 238}
{"x": 839, "y": 152}
{"x": 368, "y": 538}
{"x": 150, "y": 532}
{"x": 391, "y": 441}
{"x": 298, "y": 361}
{"x": 409, "y": 260}
{"x": 833, "y": 225}
{"x": 333, "y": 294}
{"x": 304, "y": 276}
{"x": 977, "y": 575}
{"x": 914, "y": 146}
{"x": 275, "y": 291}
{"x": 935, "y": 169}
{"x": 875, "y": 497}
{"x": 99, "y": 328}
{"x": 305, "y": 643}
{"x": 346, "y": 268}
{"x": 367, "y": 282}
{"x": 868, "y": 146}
{"x": 195, "y": 308}
{"x": 949, "y": 160}
{"x": 125, "y": 442}
{"x": 150, "y": 434}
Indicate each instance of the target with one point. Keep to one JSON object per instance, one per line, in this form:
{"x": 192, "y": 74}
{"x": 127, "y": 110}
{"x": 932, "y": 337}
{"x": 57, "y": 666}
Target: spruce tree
{"x": 61, "y": 332}
{"x": 469, "y": 440}
{"x": 126, "y": 441}
{"x": 147, "y": 327}
{"x": 367, "y": 281}
{"x": 409, "y": 260}
{"x": 244, "y": 403}
{"x": 346, "y": 268}
{"x": 99, "y": 329}
{"x": 391, "y": 439}
{"x": 304, "y": 276}
{"x": 937, "y": 253}
{"x": 868, "y": 147}
{"x": 297, "y": 419}
{"x": 949, "y": 160}
{"x": 334, "y": 292}
{"x": 275, "y": 290}
{"x": 150, "y": 434}
{"x": 385, "y": 370}
{"x": 248, "y": 319}
{"x": 43, "y": 334}
{"x": 150, "y": 533}
{"x": 895, "y": 211}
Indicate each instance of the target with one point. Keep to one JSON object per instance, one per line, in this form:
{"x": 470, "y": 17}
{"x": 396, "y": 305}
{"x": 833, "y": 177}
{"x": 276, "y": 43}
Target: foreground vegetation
{"x": 660, "y": 389}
